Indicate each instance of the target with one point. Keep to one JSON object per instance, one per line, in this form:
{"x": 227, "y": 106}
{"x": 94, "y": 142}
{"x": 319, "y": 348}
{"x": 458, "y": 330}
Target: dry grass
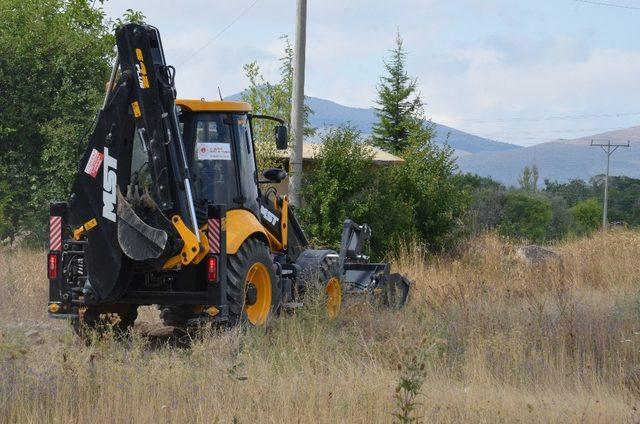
{"x": 502, "y": 343}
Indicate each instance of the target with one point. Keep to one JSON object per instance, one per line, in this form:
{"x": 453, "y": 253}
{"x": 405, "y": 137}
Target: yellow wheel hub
{"x": 334, "y": 297}
{"x": 258, "y": 282}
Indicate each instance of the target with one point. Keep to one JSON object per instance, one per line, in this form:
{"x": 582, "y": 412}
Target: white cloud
{"x": 492, "y": 87}
{"x": 473, "y": 58}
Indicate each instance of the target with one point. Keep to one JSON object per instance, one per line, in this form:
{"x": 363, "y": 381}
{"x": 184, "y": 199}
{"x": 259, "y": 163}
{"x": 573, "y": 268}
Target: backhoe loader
{"x": 167, "y": 209}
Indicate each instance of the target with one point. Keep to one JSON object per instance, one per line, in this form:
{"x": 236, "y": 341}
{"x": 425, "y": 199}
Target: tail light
{"x": 212, "y": 269}
{"x": 52, "y": 266}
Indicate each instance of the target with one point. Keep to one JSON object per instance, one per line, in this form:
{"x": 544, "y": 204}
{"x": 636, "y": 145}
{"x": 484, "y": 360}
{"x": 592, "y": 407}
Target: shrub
{"x": 526, "y": 216}
{"x": 588, "y": 215}
{"x": 337, "y": 186}
{"x": 418, "y": 199}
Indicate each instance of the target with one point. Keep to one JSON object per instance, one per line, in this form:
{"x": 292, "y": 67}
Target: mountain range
{"x": 329, "y": 114}
{"x": 559, "y": 160}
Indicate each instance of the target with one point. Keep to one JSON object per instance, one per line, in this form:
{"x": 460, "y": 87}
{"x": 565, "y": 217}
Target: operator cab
{"x": 218, "y": 137}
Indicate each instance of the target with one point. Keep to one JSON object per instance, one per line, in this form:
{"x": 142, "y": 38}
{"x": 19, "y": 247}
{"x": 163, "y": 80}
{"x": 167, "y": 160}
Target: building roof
{"x": 310, "y": 150}
{"x": 203, "y": 105}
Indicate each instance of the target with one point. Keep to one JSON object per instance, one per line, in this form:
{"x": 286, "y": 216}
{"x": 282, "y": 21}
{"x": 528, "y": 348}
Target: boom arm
{"x": 134, "y": 227}
{"x": 153, "y": 104}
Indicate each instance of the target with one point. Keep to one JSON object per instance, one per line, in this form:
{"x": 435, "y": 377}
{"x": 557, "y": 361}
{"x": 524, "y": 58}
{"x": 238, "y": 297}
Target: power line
{"x": 215, "y": 37}
{"x": 544, "y": 118}
{"x": 575, "y": 130}
{"x": 602, "y": 3}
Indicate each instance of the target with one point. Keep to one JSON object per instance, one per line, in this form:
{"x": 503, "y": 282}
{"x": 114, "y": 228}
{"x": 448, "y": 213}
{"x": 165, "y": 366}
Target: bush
{"x": 526, "y": 216}
{"x": 437, "y": 198}
{"x": 336, "y": 187}
{"x": 588, "y": 216}
{"x": 561, "y": 219}
{"x": 418, "y": 199}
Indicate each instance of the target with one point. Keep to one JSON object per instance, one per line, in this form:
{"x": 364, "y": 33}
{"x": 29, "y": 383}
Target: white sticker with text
{"x": 93, "y": 164}
{"x": 214, "y": 151}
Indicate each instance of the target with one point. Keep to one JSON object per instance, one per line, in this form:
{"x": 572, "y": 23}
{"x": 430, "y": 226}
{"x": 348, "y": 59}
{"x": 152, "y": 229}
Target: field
{"x": 489, "y": 338}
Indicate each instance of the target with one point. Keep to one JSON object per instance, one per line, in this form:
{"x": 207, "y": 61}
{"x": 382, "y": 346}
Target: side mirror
{"x": 274, "y": 175}
{"x": 282, "y": 140}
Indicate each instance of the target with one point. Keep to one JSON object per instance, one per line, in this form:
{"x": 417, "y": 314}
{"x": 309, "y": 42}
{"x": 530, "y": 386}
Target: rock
{"x": 537, "y": 255}
{"x": 33, "y": 336}
{"x": 619, "y": 225}
{"x": 32, "y": 333}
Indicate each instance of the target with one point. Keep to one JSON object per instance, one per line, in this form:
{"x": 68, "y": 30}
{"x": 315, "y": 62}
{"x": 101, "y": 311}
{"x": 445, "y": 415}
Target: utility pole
{"x": 297, "y": 106}
{"x": 608, "y": 148}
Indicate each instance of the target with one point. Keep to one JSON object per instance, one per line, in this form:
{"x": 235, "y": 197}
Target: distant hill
{"x": 328, "y": 114}
{"x": 559, "y": 160}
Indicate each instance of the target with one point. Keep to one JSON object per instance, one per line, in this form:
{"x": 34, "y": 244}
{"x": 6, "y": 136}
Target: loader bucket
{"x": 395, "y": 291}
{"x": 138, "y": 240}
{"x": 363, "y": 277}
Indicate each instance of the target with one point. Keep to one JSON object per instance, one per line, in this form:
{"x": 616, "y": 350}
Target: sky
{"x": 522, "y": 72}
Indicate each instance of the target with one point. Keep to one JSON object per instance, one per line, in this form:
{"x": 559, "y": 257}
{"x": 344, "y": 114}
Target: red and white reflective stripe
{"x": 213, "y": 235}
{"x": 55, "y": 233}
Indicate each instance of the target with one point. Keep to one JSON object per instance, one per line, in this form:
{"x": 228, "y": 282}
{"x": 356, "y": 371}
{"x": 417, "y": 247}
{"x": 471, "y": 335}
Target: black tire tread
{"x": 250, "y": 251}
{"x": 92, "y": 321}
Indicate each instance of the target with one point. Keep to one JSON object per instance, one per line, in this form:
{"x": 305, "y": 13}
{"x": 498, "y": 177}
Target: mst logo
{"x": 268, "y": 216}
{"x": 141, "y": 70}
{"x": 109, "y": 181}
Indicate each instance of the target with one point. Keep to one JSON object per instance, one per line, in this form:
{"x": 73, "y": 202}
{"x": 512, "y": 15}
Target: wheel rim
{"x": 258, "y": 277}
{"x": 334, "y": 297}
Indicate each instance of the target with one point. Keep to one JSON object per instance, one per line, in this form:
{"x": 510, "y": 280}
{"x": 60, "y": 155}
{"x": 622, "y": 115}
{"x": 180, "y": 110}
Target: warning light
{"x": 52, "y": 266}
{"x": 212, "y": 269}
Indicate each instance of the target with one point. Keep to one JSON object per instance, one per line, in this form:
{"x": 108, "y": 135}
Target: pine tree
{"x": 400, "y": 112}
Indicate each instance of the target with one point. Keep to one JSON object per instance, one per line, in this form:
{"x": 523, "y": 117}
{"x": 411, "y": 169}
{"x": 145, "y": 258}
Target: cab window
{"x": 213, "y": 159}
{"x": 246, "y": 161}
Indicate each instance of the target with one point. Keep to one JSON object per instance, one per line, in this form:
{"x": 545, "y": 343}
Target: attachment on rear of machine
{"x": 363, "y": 277}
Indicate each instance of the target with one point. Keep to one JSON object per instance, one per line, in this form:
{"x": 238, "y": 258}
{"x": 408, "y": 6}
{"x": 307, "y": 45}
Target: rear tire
{"x": 176, "y": 315}
{"x": 253, "y": 290}
{"x": 116, "y": 318}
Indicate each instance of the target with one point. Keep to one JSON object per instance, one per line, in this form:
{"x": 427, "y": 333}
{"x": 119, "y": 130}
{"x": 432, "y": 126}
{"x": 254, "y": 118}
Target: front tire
{"x": 322, "y": 276}
{"x": 331, "y": 283}
{"x": 253, "y": 289}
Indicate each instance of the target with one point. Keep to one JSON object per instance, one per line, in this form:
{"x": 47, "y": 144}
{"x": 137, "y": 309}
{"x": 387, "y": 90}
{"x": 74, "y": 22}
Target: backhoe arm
{"x": 131, "y": 225}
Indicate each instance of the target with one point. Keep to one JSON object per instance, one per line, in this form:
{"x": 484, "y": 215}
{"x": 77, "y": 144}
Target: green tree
{"x": 345, "y": 183}
{"x": 561, "y": 219}
{"x": 427, "y": 182}
{"x": 587, "y": 215}
{"x": 624, "y": 198}
{"x": 400, "y": 110}
{"x": 435, "y": 199}
{"x": 337, "y": 187}
{"x": 572, "y": 192}
{"x": 487, "y": 203}
{"x": 54, "y": 61}
{"x": 526, "y": 216}
{"x": 528, "y": 180}
{"x": 271, "y": 99}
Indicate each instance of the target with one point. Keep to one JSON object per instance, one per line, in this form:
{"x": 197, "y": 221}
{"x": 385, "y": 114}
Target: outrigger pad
{"x": 137, "y": 239}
